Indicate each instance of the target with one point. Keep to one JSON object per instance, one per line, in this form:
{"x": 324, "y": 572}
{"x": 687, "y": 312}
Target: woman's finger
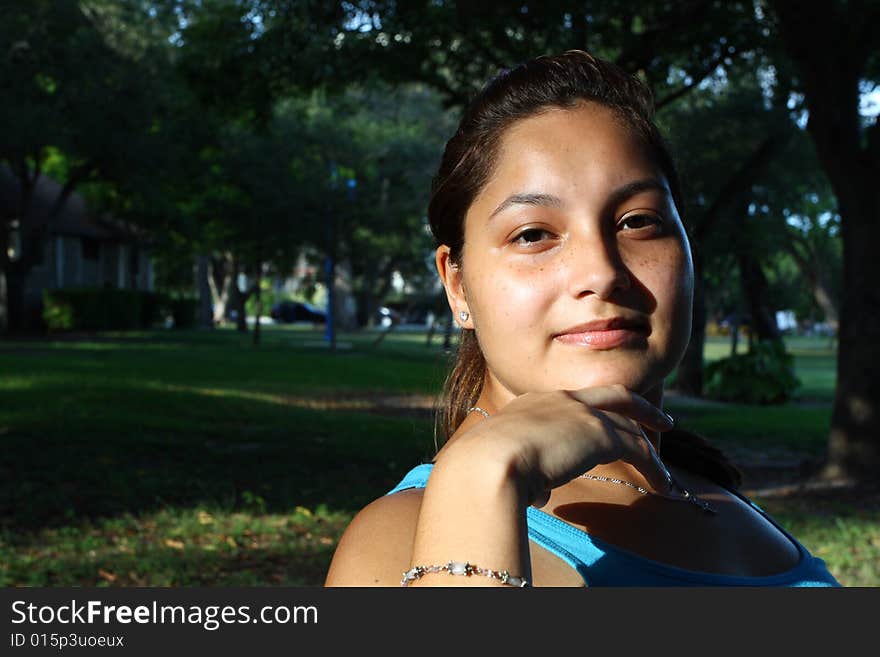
{"x": 618, "y": 399}
{"x": 634, "y": 447}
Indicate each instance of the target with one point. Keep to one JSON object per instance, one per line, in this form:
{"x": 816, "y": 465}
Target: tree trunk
{"x": 219, "y": 280}
{"x": 259, "y": 304}
{"x": 33, "y": 234}
{"x": 370, "y": 299}
{"x": 365, "y": 270}
{"x": 822, "y": 295}
{"x": 205, "y": 315}
{"x": 440, "y": 310}
{"x": 237, "y": 298}
{"x": 811, "y": 268}
{"x": 763, "y": 325}
{"x": 373, "y": 272}
{"x": 447, "y": 333}
{"x": 4, "y": 305}
{"x": 854, "y": 443}
{"x": 15, "y": 278}
{"x": 241, "y": 313}
{"x": 851, "y": 159}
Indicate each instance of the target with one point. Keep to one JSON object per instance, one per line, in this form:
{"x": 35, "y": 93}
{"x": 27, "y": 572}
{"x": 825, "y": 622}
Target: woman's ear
{"x": 453, "y": 283}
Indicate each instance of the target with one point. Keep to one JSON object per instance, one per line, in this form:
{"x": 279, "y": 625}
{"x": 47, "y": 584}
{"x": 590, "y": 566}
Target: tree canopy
{"x": 248, "y": 132}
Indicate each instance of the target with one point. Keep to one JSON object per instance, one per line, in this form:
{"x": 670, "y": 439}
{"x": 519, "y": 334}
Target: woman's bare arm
{"x": 376, "y": 547}
{"x": 474, "y": 510}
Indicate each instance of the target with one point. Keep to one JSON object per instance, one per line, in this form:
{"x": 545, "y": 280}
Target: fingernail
{"x": 670, "y": 482}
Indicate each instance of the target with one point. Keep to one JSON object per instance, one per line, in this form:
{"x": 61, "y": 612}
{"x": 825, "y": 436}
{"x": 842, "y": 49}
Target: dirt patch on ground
{"x": 420, "y": 406}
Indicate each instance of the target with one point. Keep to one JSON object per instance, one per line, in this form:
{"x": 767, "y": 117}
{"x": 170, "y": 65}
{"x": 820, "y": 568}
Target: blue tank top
{"x": 602, "y": 564}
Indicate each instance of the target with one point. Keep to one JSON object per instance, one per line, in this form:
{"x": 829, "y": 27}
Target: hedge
{"x": 102, "y": 309}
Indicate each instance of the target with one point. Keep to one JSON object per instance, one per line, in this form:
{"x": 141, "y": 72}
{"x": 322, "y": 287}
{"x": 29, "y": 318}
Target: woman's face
{"x": 576, "y": 224}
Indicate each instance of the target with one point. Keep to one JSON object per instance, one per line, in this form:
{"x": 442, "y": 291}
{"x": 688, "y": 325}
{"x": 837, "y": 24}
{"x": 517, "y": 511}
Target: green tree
{"x": 396, "y": 139}
{"x": 256, "y": 205}
{"x": 454, "y": 45}
{"x": 831, "y": 80}
{"x": 77, "y": 110}
{"x": 804, "y": 258}
{"x": 726, "y": 137}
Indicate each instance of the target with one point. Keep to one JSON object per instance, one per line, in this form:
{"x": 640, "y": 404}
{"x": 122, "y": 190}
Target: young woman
{"x": 567, "y": 266}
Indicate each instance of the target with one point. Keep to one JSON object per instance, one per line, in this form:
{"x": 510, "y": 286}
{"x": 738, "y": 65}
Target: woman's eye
{"x": 530, "y": 236}
{"x": 640, "y": 221}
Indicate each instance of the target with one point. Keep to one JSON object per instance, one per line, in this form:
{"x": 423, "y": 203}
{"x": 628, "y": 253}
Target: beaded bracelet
{"x": 466, "y": 569}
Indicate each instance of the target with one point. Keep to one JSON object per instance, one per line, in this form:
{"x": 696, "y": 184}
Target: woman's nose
{"x": 595, "y": 267}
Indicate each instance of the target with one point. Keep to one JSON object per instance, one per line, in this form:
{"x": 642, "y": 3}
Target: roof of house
{"x": 74, "y": 218}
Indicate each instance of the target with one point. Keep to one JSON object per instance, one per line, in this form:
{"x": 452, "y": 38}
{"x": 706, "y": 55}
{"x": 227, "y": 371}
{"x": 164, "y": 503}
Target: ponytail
{"x": 692, "y": 452}
{"x": 462, "y": 387}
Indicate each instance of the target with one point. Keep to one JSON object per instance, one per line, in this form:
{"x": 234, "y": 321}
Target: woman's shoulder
{"x": 376, "y": 547}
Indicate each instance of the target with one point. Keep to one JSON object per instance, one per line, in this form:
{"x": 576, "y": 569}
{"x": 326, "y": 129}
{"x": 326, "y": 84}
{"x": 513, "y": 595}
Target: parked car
{"x": 288, "y": 312}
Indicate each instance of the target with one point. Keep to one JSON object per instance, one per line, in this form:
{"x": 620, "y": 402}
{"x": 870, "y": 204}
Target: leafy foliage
{"x": 765, "y": 375}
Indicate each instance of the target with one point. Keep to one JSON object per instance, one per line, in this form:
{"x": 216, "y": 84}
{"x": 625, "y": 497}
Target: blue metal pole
{"x": 329, "y": 333}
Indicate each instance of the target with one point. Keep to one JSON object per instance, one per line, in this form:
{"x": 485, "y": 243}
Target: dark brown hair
{"x": 538, "y": 85}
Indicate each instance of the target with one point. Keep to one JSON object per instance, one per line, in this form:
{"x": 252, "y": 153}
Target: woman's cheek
{"x": 670, "y": 270}
{"x": 678, "y": 283}
{"x": 515, "y": 309}
{"x": 525, "y": 298}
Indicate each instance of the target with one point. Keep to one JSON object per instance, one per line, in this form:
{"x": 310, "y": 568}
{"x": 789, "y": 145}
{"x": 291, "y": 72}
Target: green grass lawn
{"x": 193, "y": 458}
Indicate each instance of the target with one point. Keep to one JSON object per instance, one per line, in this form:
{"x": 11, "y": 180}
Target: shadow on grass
{"x": 143, "y": 449}
{"x": 100, "y": 425}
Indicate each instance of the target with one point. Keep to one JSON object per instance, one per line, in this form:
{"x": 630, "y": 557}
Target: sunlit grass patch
{"x": 177, "y": 547}
{"x": 847, "y": 537}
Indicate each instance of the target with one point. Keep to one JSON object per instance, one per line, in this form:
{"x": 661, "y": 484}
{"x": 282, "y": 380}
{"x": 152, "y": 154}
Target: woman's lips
{"x": 607, "y": 339}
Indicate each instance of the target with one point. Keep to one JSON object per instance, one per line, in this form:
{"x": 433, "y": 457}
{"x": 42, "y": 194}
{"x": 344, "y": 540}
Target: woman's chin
{"x": 639, "y": 383}
{"x": 637, "y": 380}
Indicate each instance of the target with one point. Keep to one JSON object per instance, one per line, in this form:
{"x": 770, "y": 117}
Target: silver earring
{"x": 463, "y": 315}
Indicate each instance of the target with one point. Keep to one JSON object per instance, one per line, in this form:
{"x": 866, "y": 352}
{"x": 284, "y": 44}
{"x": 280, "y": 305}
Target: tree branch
{"x": 77, "y": 176}
{"x": 741, "y": 180}
{"x": 702, "y": 75}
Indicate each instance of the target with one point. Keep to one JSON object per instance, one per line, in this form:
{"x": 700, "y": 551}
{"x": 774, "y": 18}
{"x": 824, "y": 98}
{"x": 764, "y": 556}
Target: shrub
{"x": 765, "y": 375}
{"x": 58, "y": 311}
{"x": 99, "y": 309}
{"x": 268, "y": 298}
{"x": 183, "y": 311}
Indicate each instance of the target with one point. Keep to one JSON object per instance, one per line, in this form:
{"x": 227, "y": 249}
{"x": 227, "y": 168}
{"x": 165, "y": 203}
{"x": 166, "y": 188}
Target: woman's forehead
{"x": 560, "y": 151}
{"x": 587, "y": 127}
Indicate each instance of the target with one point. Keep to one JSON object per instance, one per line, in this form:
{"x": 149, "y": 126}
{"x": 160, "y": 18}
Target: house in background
{"x": 77, "y": 249}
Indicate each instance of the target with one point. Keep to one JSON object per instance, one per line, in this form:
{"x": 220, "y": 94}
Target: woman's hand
{"x": 546, "y": 439}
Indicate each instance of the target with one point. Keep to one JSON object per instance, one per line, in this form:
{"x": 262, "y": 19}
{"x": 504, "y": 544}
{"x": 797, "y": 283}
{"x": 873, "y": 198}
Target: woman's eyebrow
{"x": 623, "y": 192}
{"x": 528, "y": 198}
{"x": 614, "y": 198}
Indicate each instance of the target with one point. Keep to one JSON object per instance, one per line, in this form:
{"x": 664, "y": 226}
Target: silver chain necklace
{"x": 686, "y": 496}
